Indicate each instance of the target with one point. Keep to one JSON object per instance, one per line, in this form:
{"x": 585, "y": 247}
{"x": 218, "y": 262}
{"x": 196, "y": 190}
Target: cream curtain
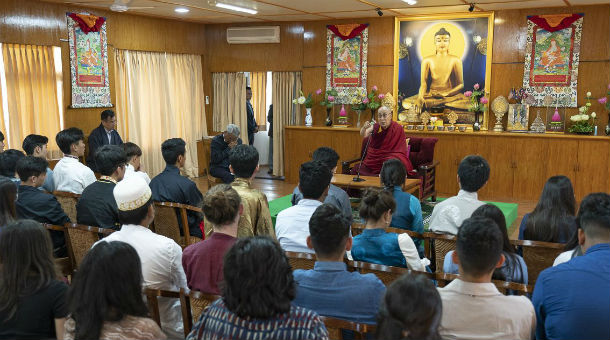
{"x": 286, "y": 86}
{"x": 258, "y": 83}
{"x": 31, "y": 83}
{"x": 161, "y": 94}
{"x": 230, "y": 102}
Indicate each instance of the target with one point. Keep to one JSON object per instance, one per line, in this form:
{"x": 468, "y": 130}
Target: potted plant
{"x": 308, "y": 102}
{"x": 478, "y": 103}
{"x": 580, "y": 121}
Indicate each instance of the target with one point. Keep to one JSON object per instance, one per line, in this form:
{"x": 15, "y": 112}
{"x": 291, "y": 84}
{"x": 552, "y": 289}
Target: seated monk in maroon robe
{"x": 388, "y": 141}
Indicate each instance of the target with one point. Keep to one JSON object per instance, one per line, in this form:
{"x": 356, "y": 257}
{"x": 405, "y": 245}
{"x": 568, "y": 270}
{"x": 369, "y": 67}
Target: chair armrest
{"x": 429, "y": 166}
{"x": 345, "y": 165}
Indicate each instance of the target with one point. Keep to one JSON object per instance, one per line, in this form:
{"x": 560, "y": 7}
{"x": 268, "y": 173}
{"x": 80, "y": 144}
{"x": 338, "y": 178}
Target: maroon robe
{"x": 385, "y": 144}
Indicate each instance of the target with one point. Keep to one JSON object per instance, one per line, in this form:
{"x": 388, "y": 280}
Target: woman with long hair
{"x": 32, "y": 299}
{"x": 410, "y": 309}
{"x": 8, "y": 196}
{"x": 553, "y": 218}
{"x": 105, "y": 299}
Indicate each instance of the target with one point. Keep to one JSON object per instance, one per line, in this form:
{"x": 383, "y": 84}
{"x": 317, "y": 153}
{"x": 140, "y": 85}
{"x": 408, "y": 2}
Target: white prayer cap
{"x": 233, "y": 129}
{"x": 131, "y": 193}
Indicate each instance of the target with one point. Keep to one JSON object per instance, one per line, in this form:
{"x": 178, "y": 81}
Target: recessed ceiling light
{"x": 181, "y": 10}
{"x": 410, "y": 2}
{"x": 236, "y": 8}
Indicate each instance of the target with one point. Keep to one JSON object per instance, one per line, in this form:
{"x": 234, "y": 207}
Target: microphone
{"x": 366, "y": 148}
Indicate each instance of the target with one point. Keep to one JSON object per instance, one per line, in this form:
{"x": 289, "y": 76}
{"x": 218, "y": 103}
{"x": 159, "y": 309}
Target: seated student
{"x": 105, "y": 300}
{"x": 1, "y": 142}
{"x": 329, "y": 288}
{"x": 134, "y": 154}
{"x": 37, "y": 205}
{"x": 8, "y": 163}
{"x": 514, "y": 268}
{"x": 256, "y": 298}
{"x": 69, "y": 173}
{"x": 161, "y": 257}
{"x": 448, "y": 215}
{"x": 553, "y": 218}
{"x": 410, "y": 309}
{"x": 292, "y": 224}
{"x": 220, "y": 148}
{"x": 32, "y": 299}
{"x": 473, "y": 308}
{"x": 36, "y": 145}
{"x": 375, "y": 245}
{"x": 170, "y": 186}
{"x": 572, "y": 299}
{"x": 8, "y": 196}
{"x": 202, "y": 261}
{"x": 336, "y": 196}
{"x": 571, "y": 250}
{"x": 97, "y": 207}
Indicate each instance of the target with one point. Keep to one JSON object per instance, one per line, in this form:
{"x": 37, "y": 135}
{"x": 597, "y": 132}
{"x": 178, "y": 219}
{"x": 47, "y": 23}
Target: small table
{"x": 346, "y": 182}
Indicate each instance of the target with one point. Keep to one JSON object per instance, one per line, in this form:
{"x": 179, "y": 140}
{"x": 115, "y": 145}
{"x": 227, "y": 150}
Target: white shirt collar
{"x": 134, "y": 228}
{"x": 463, "y": 194}
{"x": 309, "y": 202}
{"x": 473, "y": 289}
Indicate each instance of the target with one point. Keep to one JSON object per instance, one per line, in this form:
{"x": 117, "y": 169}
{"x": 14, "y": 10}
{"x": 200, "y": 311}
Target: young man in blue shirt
{"x": 329, "y": 288}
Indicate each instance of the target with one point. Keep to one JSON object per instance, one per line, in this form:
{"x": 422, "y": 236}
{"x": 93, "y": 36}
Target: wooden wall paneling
{"x": 530, "y": 161}
{"x": 314, "y": 44}
{"x": 446, "y": 151}
{"x": 504, "y": 77}
{"x": 594, "y": 77}
{"x": 314, "y": 78}
{"x": 510, "y": 34}
{"x": 381, "y": 40}
{"x": 565, "y": 152}
{"x": 593, "y": 173}
{"x": 299, "y": 146}
{"x": 347, "y": 143}
{"x": 500, "y": 159}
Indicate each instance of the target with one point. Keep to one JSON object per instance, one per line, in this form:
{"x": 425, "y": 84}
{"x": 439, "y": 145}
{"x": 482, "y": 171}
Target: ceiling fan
{"x": 116, "y": 6}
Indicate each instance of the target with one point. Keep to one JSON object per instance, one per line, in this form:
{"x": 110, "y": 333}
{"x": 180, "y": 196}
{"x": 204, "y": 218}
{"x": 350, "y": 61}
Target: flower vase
{"x": 608, "y": 126}
{"x": 476, "y": 126}
{"x": 308, "y": 117}
{"x": 373, "y": 114}
{"x": 358, "y": 112}
{"x": 329, "y": 120}
{"x": 342, "y": 119}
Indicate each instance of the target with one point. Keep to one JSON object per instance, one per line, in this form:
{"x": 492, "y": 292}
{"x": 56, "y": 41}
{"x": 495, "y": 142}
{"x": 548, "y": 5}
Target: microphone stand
{"x": 366, "y": 148}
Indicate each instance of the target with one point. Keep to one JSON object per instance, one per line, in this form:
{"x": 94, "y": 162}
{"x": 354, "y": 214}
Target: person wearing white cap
{"x": 161, "y": 257}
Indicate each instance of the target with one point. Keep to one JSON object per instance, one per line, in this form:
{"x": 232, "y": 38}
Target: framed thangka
{"x": 551, "y": 58}
{"x": 346, "y": 60}
{"x": 88, "y": 61}
{"x": 437, "y": 59}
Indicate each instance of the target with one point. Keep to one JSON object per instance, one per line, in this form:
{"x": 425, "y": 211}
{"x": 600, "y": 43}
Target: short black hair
{"x": 1, "y": 137}
{"x": 172, "y": 148}
{"x": 327, "y": 156}
{"x": 393, "y": 173}
{"x": 32, "y": 141}
{"x": 473, "y": 172}
{"x": 131, "y": 150}
{"x": 244, "y": 160}
{"x": 31, "y": 166}
{"x": 135, "y": 216}
{"x": 107, "y": 114}
{"x": 594, "y": 215}
{"x": 329, "y": 230}
{"x": 8, "y": 162}
{"x": 479, "y": 245}
{"x": 314, "y": 178}
{"x": 248, "y": 88}
{"x": 65, "y": 138}
{"x": 108, "y": 158}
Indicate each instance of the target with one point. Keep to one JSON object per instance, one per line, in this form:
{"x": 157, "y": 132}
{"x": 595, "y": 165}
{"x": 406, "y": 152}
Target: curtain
{"x": 258, "y": 83}
{"x": 161, "y": 94}
{"x": 31, "y": 83}
{"x": 286, "y": 86}
{"x": 230, "y": 102}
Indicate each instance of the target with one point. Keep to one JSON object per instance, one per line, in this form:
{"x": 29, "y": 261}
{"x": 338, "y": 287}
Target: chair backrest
{"x": 504, "y": 287}
{"x": 442, "y": 244}
{"x": 63, "y": 264}
{"x": 68, "y": 201}
{"x": 335, "y": 327}
{"x": 301, "y": 260}
{"x": 207, "y": 151}
{"x": 168, "y": 218}
{"x": 357, "y": 229}
{"x": 152, "y": 296}
{"x": 538, "y": 256}
{"x": 195, "y": 303}
{"x": 387, "y": 274}
{"x": 422, "y": 150}
{"x": 80, "y": 238}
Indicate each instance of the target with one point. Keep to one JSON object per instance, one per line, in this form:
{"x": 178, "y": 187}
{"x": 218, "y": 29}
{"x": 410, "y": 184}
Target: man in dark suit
{"x": 105, "y": 134}
{"x": 220, "y": 147}
{"x": 252, "y": 127}
{"x": 270, "y": 134}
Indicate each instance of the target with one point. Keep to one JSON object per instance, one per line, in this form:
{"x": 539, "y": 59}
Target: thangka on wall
{"x": 346, "y": 59}
{"x": 88, "y": 61}
{"x": 551, "y": 58}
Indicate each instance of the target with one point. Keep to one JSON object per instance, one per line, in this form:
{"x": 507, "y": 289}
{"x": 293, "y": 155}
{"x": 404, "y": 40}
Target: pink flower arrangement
{"x": 365, "y": 100}
{"x": 331, "y": 98}
{"x": 374, "y": 88}
{"x": 319, "y": 92}
{"x": 468, "y": 93}
{"x": 476, "y": 86}
{"x": 381, "y": 96}
{"x": 484, "y": 100}
{"x": 602, "y": 100}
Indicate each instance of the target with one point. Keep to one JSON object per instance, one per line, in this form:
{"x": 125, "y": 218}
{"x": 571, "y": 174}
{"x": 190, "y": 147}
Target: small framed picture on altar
{"x": 518, "y": 117}
{"x": 556, "y": 120}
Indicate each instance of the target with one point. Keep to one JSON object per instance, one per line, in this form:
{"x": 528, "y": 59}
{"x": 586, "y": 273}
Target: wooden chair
{"x": 168, "y": 218}
{"x": 206, "y": 150}
{"x": 335, "y": 328}
{"x": 538, "y": 256}
{"x": 80, "y": 238}
{"x": 301, "y": 260}
{"x": 503, "y": 286}
{"x": 387, "y": 274}
{"x": 438, "y": 246}
{"x": 152, "y": 296}
{"x": 63, "y": 264}
{"x": 195, "y": 303}
{"x": 68, "y": 201}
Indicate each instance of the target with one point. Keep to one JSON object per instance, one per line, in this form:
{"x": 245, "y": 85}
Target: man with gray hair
{"x": 221, "y": 147}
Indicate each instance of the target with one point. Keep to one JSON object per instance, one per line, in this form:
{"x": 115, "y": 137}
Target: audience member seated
{"x": 32, "y": 299}
{"x": 134, "y": 155}
{"x": 410, "y": 309}
{"x": 202, "y": 261}
{"x": 69, "y": 173}
{"x": 329, "y": 288}
{"x": 220, "y": 148}
{"x": 170, "y": 186}
{"x": 161, "y": 257}
{"x": 553, "y": 218}
{"x": 36, "y": 145}
{"x": 572, "y": 249}
{"x": 8, "y": 163}
{"x": 448, "y": 215}
{"x": 105, "y": 134}
{"x": 96, "y": 206}
{"x": 292, "y": 224}
{"x": 105, "y": 299}
{"x": 256, "y": 298}
{"x": 572, "y": 299}
{"x": 514, "y": 268}
{"x": 408, "y": 213}
{"x": 375, "y": 245}
{"x": 1, "y": 142}
{"x": 473, "y": 308}
{"x": 336, "y": 196}
{"x": 38, "y": 205}
{"x": 8, "y": 196}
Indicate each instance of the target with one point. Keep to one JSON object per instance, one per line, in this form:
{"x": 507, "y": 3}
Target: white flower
{"x": 574, "y": 118}
{"x": 294, "y": 101}
{"x": 582, "y": 108}
{"x": 301, "y": 100}
{"x": 593, "y": 115}
{"x": 588, "y": 94}
{"x": 584, "y": 117}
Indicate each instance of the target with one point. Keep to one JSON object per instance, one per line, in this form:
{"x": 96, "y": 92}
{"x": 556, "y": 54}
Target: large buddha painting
{"x": 437, "y": 59}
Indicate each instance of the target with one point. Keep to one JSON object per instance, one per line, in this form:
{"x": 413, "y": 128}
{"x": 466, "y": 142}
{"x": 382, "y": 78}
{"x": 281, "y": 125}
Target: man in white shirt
{"x": 134, "y": 154}
{"x": 473, "y": 308}
{"x": 448, "y": 215}
{"x": 69, "y": 173}
{"x": 292, "y": 224}
{"x": 161, "y": 257}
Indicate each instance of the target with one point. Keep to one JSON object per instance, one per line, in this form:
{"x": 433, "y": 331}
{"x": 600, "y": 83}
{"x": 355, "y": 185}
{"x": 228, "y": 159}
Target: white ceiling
{"x": 204, "y": 11}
